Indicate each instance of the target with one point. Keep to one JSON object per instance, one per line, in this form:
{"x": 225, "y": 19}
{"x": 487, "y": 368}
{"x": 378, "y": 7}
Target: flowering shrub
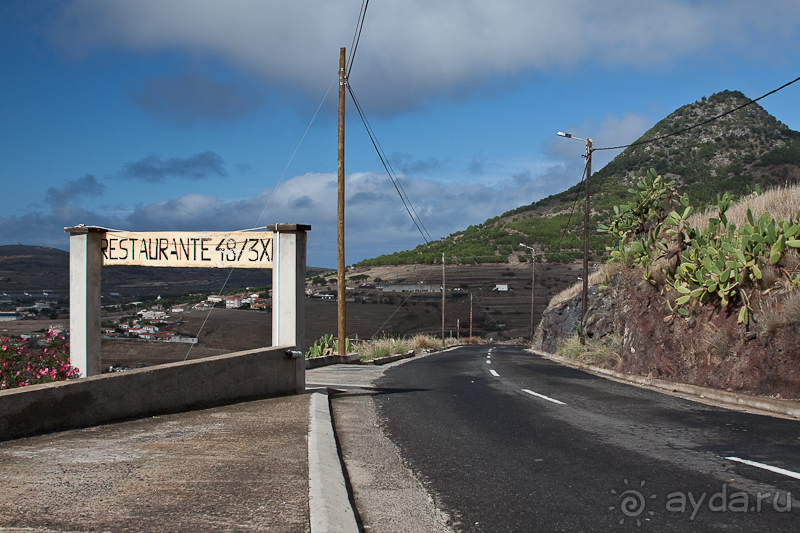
{"x": 21, "y": 366}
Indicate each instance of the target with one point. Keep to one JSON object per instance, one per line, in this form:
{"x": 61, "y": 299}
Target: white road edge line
{"x": 542, "y": 396}
{"x": 495, "y": 374}
{"x": 765, "y": 467}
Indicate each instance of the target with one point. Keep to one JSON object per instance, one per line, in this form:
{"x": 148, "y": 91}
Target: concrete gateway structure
{"x": 282, "y": 247}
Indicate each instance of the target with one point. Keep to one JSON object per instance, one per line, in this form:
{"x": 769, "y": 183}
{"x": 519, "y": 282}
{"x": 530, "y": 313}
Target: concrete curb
{"x": 328, "y": 501}
{"x": 789, "y": 408}
{"x": 390, "y": 358}
{"x": 316, "y": 362}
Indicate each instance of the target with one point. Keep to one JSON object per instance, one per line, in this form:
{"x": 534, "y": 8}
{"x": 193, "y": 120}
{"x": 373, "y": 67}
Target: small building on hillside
{"x": 419, "y": 287}
{"x": 8, "y": 316}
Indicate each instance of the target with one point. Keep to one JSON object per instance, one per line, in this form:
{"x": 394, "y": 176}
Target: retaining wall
{"x": 150, "y": 391}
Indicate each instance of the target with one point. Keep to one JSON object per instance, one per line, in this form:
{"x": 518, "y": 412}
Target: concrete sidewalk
{"x": 266, "y": 465}
{"x": 240, "y": 467}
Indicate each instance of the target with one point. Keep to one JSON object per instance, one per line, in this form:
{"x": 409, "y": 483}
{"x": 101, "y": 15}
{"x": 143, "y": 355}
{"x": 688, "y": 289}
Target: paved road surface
{"x": 508, "y": 441}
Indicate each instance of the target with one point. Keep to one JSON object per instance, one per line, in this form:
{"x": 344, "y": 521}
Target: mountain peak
{"x": 708, "y": 147}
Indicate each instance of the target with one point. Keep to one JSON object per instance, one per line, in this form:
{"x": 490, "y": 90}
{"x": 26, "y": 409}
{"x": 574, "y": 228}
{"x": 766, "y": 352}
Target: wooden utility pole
{"x": 533, "y": 289}
{"x": 442, "y": 296}
{"x": 470, "y": 314}
{"x": 585, "y": 290}
{"x": 342, "y": 284}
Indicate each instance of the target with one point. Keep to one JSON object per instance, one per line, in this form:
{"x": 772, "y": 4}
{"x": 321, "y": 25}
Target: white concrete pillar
{"x": 288, "y": 291}
{"x": 85, "y": 262}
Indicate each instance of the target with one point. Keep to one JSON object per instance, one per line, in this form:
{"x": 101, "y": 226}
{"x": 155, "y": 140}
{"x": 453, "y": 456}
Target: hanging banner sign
{"x": 243, "y": 249}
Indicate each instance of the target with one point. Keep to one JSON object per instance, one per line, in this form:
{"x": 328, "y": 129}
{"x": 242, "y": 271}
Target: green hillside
{"x": 735, "y": 153}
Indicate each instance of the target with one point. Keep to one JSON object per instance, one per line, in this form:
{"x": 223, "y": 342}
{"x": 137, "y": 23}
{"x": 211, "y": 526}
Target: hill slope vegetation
{"x": 735, "y": 154}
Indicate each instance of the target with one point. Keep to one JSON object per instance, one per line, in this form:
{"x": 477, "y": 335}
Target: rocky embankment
{"x": 630, "y": 329}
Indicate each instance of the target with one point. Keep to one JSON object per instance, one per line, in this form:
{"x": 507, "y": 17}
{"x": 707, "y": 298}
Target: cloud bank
{"x": 413, "y": 51}
{"x": 155, "y": 169}
{"x": 376, "y": 221}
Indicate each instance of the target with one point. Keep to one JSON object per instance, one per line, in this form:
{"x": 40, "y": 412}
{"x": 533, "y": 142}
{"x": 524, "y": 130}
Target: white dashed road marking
{"x": 495, "y": 374}
{"x": 542, "y": 396}
{"x": 765, "y": 467}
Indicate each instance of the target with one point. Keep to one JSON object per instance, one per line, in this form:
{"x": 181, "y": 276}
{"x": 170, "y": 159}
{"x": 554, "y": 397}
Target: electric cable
{"x": 712, "y": 119}
{"x": 389, "y": 169}
{"x": 269, "y": 200}
{"x": 577, "y": 196}
{"x": 406, "y": 201}
{"x": 400, "y": 306}
{"x": 362, "y": 15}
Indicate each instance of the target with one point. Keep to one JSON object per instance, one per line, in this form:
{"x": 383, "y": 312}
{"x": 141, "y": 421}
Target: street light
{"x": 585, "y": 291}
{"x": 533, "y": 278}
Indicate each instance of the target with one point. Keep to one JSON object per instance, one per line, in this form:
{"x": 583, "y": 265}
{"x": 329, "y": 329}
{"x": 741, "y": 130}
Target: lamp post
{"x": 585, "y": 291}
{"x": 533, "y": 279}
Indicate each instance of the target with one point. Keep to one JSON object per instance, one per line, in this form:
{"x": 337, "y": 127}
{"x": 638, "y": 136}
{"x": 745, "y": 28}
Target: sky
{"x": 201, "y": 115}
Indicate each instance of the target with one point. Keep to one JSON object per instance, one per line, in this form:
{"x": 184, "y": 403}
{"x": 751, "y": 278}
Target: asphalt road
{"x": 507, "y": 441}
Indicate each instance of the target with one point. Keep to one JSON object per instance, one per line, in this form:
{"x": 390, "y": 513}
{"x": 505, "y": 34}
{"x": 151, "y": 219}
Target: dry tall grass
{"x": 394, "y": 345}
{"x": 772, "y": 316}
{"x": 779, "y": 202}
{"x": 595, "y": 278}
{"x": 599, "y": 352}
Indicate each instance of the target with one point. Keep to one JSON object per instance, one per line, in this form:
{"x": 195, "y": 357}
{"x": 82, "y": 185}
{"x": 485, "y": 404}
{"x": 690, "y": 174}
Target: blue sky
{"x": 189, "y": 114}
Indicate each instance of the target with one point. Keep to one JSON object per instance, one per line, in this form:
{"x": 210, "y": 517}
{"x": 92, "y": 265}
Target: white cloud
{"x": 375, "y": 218}
{"x": 611, "y": 131}
{"x": 415, "y": 50}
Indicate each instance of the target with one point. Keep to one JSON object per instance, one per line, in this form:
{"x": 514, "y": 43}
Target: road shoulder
{"x": 789, "y": 409}
{"x": 387, "y": 495}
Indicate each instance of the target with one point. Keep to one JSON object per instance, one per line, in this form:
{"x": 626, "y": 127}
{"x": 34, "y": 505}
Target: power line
{"x": 266, "y": 204}
{"x": 569, "y": 219}
{"x": 712, "y": 119}
{"x": 401, "y": 305}
{"x": 386, "y": 165}
{"x": 362, "y": 15}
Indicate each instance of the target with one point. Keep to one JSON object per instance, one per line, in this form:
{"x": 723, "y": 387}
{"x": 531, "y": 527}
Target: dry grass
{"x": 716, "y": 339}
{"x": 386, "y": 346}
{"x": 774, "y": 316}
{"x": 425, "y": 342}
{"x": 598, "y": 352}
{"x": 382, "y": 348}
{"x": 603, "y": 274}
{"x": 779, "y": 202}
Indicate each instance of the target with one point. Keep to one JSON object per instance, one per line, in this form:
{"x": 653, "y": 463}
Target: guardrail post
{"x": 288, "y": 291}
{"x": 85, "y": 262}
